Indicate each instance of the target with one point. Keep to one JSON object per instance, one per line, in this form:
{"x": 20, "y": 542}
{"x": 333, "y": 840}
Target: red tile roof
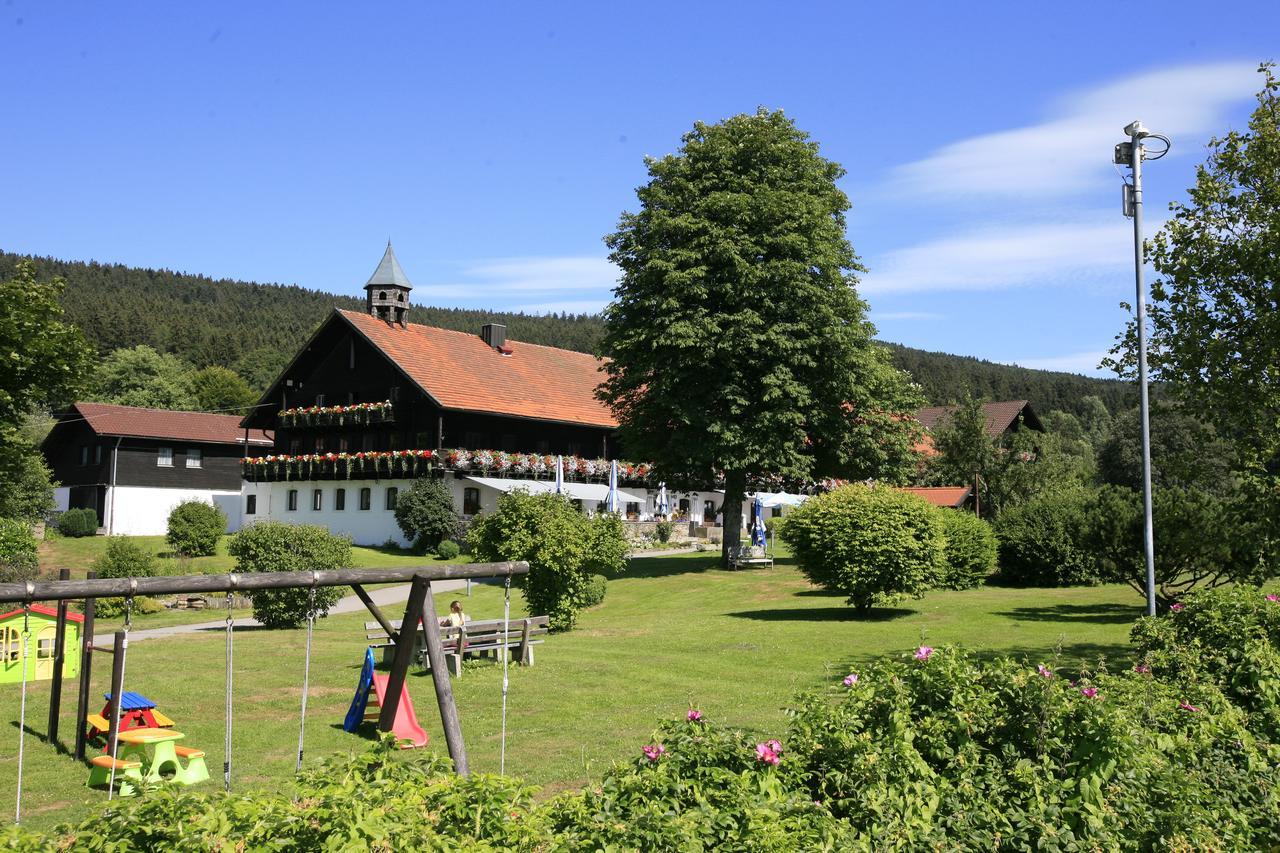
{"x": 460, "y": 371}
{"x": 1000, "y": 416}
{"x": 952, "y": 496}
{"x": 44, "y": 611}
{"x": 109, "y": 419}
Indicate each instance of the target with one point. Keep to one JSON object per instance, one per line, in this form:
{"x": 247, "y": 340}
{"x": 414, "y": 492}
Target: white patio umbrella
{"x": 663, "y": 506}
{"x": 611, "y": 503}
{"x": 559, "y": 475}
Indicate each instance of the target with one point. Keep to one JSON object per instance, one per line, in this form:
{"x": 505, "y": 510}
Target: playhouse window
{"x": 44, "y": 648}
{"x": 12, "y": 645}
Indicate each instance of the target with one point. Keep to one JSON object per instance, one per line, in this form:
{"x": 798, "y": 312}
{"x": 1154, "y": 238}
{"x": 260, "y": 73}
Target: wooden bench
{"x": 475, "y": 638}
{"x": 749, "y": 556}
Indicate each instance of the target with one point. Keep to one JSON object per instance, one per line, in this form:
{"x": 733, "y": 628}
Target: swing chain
{"x": 24, "y": 657}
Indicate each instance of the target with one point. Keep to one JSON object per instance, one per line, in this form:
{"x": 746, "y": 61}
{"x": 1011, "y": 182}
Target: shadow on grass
{"x": 824, "y": 614}
{"x": 817, "y": 592}
{"x": 660, "y": 567}
{"x": 1102, "y": 613}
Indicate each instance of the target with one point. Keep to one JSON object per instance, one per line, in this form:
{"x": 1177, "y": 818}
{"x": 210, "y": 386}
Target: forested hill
{"x": 235, "y": 323}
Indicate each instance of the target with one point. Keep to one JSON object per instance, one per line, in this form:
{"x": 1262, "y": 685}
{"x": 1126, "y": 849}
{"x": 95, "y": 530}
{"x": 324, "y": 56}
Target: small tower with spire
{"x": 387, "y": 293}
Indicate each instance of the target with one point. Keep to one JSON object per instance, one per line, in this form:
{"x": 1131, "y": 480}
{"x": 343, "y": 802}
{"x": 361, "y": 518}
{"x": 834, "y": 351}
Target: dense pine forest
{"x": 255, "y": 328}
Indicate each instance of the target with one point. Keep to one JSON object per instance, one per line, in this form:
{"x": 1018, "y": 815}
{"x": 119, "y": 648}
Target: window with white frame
{"x": 164, "y": 457}
{"x": 293, "y": 500}
{"x": 195, "y": 457}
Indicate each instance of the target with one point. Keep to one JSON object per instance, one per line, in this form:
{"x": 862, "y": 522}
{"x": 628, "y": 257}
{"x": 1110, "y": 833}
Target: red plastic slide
{"x": 405, "y": 727}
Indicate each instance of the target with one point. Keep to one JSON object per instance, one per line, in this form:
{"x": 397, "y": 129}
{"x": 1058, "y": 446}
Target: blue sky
{"x": 497, "y": 143}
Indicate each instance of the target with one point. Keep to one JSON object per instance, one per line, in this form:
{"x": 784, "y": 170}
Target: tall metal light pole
{"x": 1131, "y": 154}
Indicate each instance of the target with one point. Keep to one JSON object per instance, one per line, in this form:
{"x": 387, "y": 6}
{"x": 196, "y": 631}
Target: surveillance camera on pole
{"x": 1131, "y": 154}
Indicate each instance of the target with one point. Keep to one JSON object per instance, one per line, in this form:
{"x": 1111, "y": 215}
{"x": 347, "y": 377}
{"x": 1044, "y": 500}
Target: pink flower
{"x": 1044, "y": 671}
{"x": 767, "y": 755}
{"x": 923, "y": 653}
{"x": 773, "y": 745}
{"x": 1273, "y": 597}
{"x": 851, "y": 679}
{"x": 1187, "y": 706}
{"x": 1089, "y": 692}
{"x": 654, "y": 751}
{"x": 694, "y": 716}
{"x": 1142, "y": 669}
{"x": 1176, "y": 607}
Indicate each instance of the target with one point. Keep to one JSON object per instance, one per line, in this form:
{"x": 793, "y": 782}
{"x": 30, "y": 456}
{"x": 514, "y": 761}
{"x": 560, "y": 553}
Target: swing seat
{"x": 128, "y": 773}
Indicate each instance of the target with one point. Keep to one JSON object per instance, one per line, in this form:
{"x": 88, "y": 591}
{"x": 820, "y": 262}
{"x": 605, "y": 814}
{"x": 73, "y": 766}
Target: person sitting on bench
{"x": 456, "y": 618}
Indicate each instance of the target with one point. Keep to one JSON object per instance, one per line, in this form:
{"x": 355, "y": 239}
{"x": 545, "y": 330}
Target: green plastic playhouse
{"x": 36, "y": 654}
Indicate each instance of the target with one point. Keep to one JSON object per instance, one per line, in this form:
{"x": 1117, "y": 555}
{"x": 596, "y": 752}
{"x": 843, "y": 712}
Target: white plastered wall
{"x": 142, "y": 511}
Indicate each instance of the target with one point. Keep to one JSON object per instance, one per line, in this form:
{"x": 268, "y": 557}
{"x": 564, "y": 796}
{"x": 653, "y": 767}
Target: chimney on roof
{"x": 495, "y": 335}
{"x": 387, "y": 293}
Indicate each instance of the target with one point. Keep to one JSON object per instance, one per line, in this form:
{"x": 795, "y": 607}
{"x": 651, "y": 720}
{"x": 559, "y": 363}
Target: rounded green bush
{"x": 970, "y": 550}
{"x": 594, "y": 590}
{"x": 1045, "y": 542}
{"x": 17, "y": 551}
{"x": 425, "y": 514}
{"x": 562, "y": 546}
{"x": 872, "y": 544}
{"x": 662, "y": 531}
{"x": 124, "y": 558}
{"x": 194, "y": 529}
{"x": 448, "y": 550}
{"x": 273, "y": 546}
{"x": 78, "y": 522}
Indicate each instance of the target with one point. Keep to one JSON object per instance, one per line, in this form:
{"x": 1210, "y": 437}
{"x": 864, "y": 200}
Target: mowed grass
{"x": 673, "y": 632}
{"x": 78, "y": 554}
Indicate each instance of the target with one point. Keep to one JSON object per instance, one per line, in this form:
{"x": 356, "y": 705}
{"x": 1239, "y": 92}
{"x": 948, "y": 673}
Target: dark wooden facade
{"x": 340, "y": 367}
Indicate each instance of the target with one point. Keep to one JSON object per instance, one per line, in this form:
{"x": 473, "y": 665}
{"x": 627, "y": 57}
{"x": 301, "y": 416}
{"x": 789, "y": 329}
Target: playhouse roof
{"x": 43, "y": 610}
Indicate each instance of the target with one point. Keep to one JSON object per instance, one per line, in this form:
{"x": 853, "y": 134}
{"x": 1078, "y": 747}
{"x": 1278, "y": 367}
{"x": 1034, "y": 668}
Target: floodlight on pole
{"x": 1131, "y": 154}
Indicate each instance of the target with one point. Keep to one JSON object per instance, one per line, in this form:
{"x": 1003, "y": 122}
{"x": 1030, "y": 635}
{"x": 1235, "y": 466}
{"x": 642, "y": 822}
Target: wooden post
{"x": 455, "y": 660}
{"x": 117, "y": 690}
{"x": 86, "y": 672}
{"x": 525, "y": 652}
{"x": 444, "y": 690}
{"x": 59, "y": 657}
{"x": 377, "y": 612}
{"x": 404, "y": 651}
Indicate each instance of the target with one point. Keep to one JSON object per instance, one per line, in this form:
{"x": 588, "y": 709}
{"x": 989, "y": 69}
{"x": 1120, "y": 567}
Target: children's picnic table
{"x": 134, "y": 743}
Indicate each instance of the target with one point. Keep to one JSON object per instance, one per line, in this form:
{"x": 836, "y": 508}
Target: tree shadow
{"x": 817, "y": 592}
{"x": 1102, "y": 613}
{"x": 659, "y": 567}
{"x": 824, "y": 614}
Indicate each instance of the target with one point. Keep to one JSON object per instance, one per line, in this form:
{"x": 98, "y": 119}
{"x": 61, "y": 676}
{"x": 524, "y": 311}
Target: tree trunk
{"x": 735, "y": 484}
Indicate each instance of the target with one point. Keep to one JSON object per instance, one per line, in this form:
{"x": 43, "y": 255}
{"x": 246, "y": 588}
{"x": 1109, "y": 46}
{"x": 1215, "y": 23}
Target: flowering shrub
{"x": 1229, "y": 637}
{"x": 874, "y": 545}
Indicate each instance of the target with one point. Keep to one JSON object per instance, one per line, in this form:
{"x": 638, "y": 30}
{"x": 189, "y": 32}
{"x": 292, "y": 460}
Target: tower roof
{"x": 389, "y": 271}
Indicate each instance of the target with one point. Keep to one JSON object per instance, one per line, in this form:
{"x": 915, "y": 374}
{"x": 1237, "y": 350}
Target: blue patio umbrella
{"x": 757, "y": 529}
{"x": 559, "y": 475}
{"x": 663, "y": 506}
{"x": 611, "y": 504}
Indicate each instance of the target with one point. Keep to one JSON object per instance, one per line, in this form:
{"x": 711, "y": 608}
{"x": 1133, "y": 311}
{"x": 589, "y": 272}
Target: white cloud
{"x": 1080, "y": 362}
{"x": 1004, "y": 255}
{"x": 569, "y": 283}
{"x": 1071, "y": 148}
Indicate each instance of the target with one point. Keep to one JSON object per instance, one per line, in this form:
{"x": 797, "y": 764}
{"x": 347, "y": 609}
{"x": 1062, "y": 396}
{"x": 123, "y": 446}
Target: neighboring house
{"x": 372, "y": 401}
{"x": 954, "y": 497}
{"x": 132, "y": 466}
{"x": 1003, "y": 417}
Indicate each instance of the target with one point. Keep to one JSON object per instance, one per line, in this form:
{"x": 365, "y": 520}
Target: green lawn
{"x": 674, "y": 632}
{"x": 78, "y": 553}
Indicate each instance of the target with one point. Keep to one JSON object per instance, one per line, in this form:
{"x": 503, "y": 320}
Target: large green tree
{"x": 44, "y": 360}
{"x": 737, "y": 344}
{"x": 219, "y": 389}
{"x": 1215, "y": 321}
{"x": 140, "y": 376}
